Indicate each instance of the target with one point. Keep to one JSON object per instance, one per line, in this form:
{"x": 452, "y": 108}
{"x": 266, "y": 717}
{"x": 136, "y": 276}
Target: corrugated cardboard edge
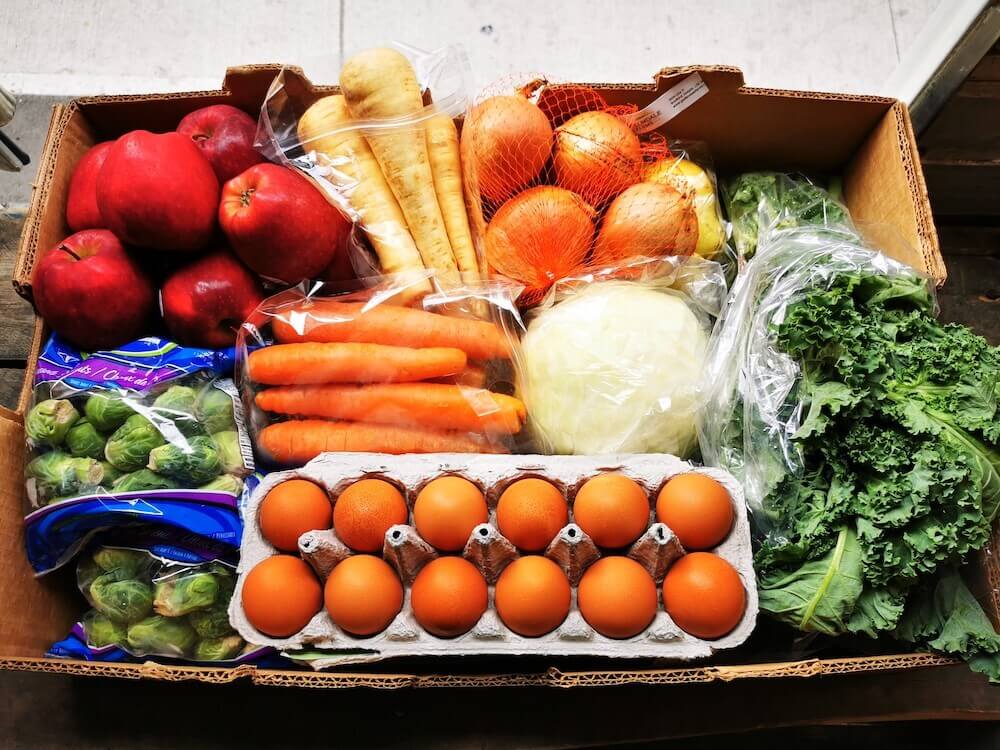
{"x": 553, "y": 677}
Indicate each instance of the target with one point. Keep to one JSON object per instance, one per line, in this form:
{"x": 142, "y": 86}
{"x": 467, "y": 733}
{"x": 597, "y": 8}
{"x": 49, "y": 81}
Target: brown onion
{"x": 647, "y": 219}
{"x": 540, "y": 236}
{"x": 596, "y": 156}
{"x": 509, "y": 141}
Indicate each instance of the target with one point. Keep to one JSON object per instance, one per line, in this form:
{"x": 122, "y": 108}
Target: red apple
{"x": 205, "y": 302}
{"x": 158, "y": 191}
{"x": 279, "y": 224}
{"x": 91, "y": 292}
{"x": 81, "y": 206}
{"x": 225, "y": 136}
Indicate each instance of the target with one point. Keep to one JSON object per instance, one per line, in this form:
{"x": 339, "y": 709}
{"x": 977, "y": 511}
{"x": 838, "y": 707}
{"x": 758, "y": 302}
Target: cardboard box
{"x": 868, "y": 139}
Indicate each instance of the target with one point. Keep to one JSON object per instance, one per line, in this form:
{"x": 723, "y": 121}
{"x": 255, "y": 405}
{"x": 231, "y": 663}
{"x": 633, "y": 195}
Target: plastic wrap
{"x": 612, "y": 362}
{"x": 362, "y": 372}
{"x": 561, "y": 182}
{"x": 148, "y": 599}
{"x": 150, "y": 429}
{"x": 386, "y": 152}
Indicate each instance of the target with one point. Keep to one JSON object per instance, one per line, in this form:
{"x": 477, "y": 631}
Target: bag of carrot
{"x": 377, "y": 371}
{"x": 387, "y": 159}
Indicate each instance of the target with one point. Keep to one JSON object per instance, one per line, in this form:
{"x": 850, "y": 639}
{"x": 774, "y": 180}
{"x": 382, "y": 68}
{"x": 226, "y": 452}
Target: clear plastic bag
{"x": 386, "y": 152}
{"x": 612, "y": 362}
{"x": 148, "y": 604}
{"x": 561, "y": 184}
{"x": 321, "y": 371}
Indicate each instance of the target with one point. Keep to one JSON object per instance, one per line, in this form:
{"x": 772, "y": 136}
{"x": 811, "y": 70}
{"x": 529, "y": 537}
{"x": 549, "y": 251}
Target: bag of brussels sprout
{"x": 150, "y": 430}
{"x": 156, "y": 598}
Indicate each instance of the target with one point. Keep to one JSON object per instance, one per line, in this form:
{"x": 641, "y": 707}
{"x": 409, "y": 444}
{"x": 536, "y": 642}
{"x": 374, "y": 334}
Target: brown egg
{"x": 617, "y": 597}
{"x": 530, "y": 513}
{"x": 365, "y": 511}
{"x": 291, "y": 509}
{"x": 448, "y": 596}
{"x": 697, "y": 509}
{"x": 281, "y": 595}
{"x": 704, "y": 595}
{"x": 612, "y": 509}
{"x": 532, "y": 596}
{"x": 363, "y": 594}
{"x": 446, "y": 511}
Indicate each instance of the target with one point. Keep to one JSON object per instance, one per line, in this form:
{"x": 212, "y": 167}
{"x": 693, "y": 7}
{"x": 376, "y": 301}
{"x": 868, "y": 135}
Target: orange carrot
{"x": 447, "y": 407}
{"x": 332, "y": 321}
{"x": 308, "y": 363}
{"x": 300, "y": 440}
{"x": 473, "y": 376}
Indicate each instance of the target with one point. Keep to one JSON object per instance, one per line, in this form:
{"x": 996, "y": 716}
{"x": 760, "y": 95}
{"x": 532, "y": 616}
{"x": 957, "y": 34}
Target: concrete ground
{"x": 63, "y": 48}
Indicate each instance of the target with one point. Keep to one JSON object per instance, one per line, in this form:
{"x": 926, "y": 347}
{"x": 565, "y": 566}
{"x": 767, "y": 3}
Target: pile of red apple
{"x": 197, "y": 213}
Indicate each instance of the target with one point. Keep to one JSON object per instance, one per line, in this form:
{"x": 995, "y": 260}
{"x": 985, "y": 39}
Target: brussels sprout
{"x": 111, "y": 474}
{"x": 224, "y": 483}
{"x": 127, "y": 563}
{"x": 226, "y": 579}
{"x": 195, "y": 463}
{"x": 87, "y": 571}
{"x": 212, "y": 622}
{"x": 214, "y": 409}
{"x": 48, "y": 421}
{"x": 144, "y": 479}
{"x": 84, "y": 440}
{"x": 168, "y": 636}
{"x": 121, "y": 600}
{"x": 180, "y": 594}
{"x": 177, "y": 404}
{"x": 59, "y": 474}
{"x": 227, "y": 443}
{"x": 218, "y": 649}
{"x": 128, "y": 448}
{"x": 107, "y": 411}
{"x": 103, "y": 631}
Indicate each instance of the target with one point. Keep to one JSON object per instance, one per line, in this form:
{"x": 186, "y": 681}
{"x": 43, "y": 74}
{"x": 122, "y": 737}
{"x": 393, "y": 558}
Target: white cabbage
{"x": 615, "y": 368}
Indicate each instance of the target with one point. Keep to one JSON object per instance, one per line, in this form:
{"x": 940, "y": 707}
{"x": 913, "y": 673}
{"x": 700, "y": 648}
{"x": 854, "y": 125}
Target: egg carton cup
{"x": 490, "y": 551}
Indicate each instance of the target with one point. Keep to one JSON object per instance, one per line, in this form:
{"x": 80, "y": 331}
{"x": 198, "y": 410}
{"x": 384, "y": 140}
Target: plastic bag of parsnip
{"x": 363, "y": 372}
{"x": 388, "y": 158}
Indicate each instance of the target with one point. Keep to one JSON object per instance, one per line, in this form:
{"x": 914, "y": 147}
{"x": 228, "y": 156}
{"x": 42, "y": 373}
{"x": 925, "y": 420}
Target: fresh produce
{"x": 446, "y": 511}
{"x": 225, "y": 136}
{"x": 81, "y": 202}
{"x": 363, "y": 595}
{"x": 151, "y": 607}
{"x": 761, "y": 200}
{"x": 532, "y": 596}
{"x": 891, "y": 422}
{"x": 562, "y": 101}
{"x": 281, "y": 595}
{"x": 324, "y": 128}
{"x": 380, "y": 84}
{"x": 697, "y": 509}
{"x": 309, "y": 363}
{"x": 91, "y": 292}
{"x": 194, "y": 463}
{"x": 703, "y": 595}
{"x": 83, "y": 440}
{"x": 530, "y": 512}
{"x": 612, "y": 509}
{"x": 647, "y": 219}
{"x": 55, "y": 475}
{"x": 290, "y": 510}
{"x": 435, "y": 405}
{"x": 689, "y": 178}
{"x": 142, "y": 480}
{"x": 227, "y": 446}
{"x": 206, "y": 301}
{"x": 213, "y": 408}
{"x": 158, "y": 191}
{"x": 539, "y": 237}
{"x": 107, "y": 410}
{"x": 596, "y": 156}
{"x": 333, "y": 321}
{"x": 128, "y": 447}
{"x": 616, "y": 367}
{"x": 509, "y": 140}
{"x": 280, "y": 225}
{"x": 365, "y": 511}
{"x": 298, "y": 441}
{"x": 48, "y": 422}
{"x": 617, "y": 597}
{"x": 448, "y": 596}
{"x": 177, "y": 404}
{"x": 224, "y": 483}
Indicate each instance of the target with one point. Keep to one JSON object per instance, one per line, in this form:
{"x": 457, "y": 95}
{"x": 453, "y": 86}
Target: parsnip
{"x": 321, "y": 129}
{"x": 446, "y": 165}
{"x": 380, "y": 84}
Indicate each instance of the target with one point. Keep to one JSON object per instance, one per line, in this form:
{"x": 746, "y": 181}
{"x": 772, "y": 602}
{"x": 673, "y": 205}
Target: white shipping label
{"x": 670, "y": 104}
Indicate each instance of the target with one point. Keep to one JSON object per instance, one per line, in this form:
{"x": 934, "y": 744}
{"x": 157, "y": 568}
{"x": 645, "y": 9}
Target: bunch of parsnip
{"x": 400, "y": 167}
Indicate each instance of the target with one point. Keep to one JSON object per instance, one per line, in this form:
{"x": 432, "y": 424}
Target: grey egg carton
{"x": 572, "y": 549}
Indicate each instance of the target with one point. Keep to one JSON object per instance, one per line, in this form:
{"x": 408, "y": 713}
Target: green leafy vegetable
{"x": 143, "y": 479}
{"x": 182, "y": 594}
{"x": 57, "y": 474}
{"x": 84, "y": 441}
{"x": 214, "y": 410}
{"x": 102, "y": 631}
{"x": 227, "y": 444}
{"x": 127, "y": 563}
{"x": 169, "y": 636}
{"x": 197, "y": 462}
{"x": 212, "y": 622}
{"x": 224, "y": 483}
{"x": 48, "y": 421}
{"x": 128, "y": 448}
{"x": 177, "y": 404}
{"x": 121, "y": 600}
{"x": 218, "y": 649}
{"x": 107, "y": 411}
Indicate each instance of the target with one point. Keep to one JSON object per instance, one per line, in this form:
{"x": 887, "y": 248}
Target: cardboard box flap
{"x": 717, "y": 77}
